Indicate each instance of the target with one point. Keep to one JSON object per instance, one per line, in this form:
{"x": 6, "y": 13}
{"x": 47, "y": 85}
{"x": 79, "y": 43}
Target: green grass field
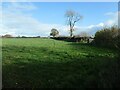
{"x": 47, "y": 63}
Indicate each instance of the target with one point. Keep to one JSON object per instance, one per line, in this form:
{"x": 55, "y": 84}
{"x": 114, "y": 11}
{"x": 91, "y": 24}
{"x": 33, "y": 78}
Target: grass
{"x": 47, "y": 63}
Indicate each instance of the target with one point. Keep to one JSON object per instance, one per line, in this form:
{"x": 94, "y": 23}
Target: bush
{"x": 71, "y": 39}
{"x": 108, "y": 37}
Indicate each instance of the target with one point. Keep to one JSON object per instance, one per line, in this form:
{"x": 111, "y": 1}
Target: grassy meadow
{"x": 48, "y": 63}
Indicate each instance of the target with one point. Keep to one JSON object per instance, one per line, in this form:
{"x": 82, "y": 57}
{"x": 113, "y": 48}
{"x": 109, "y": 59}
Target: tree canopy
{"x": 54, "y": 32}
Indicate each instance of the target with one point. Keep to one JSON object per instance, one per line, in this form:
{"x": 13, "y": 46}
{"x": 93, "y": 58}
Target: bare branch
{"x": 72, "y": 17}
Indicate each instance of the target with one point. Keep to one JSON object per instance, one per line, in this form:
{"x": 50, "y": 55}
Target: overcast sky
{"x": 38, "y": 18}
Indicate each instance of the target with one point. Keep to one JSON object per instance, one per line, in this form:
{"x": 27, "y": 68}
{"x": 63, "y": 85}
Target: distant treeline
{"x": 10, "y": 36}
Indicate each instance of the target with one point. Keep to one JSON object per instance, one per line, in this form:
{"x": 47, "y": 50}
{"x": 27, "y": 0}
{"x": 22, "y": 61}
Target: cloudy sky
{"x": 38, "y": 18}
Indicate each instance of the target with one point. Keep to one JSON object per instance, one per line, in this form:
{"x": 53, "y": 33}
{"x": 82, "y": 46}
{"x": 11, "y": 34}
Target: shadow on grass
{"x": 88, "y": 48}
{"x": 78, "y": 44}
{"x": 44, "y": 72}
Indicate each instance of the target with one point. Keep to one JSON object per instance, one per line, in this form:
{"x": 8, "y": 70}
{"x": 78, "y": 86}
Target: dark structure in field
{"x": 74, "y": 39}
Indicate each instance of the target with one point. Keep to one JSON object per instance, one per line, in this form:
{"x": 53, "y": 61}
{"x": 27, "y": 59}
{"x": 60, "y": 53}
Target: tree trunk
{"x": 71, "y": 32}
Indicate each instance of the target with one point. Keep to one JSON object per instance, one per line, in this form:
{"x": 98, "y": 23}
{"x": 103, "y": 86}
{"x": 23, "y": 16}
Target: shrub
{"x": 108, "y": 37}
{"x": 69, "y": 39}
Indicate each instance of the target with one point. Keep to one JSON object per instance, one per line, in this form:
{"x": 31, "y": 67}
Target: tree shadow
{"x": 91, "y": 49}
{"x": 51, "y": 71}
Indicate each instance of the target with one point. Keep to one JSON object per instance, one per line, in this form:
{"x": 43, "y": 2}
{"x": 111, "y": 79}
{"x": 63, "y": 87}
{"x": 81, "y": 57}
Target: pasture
{"x": 48, "y": 63}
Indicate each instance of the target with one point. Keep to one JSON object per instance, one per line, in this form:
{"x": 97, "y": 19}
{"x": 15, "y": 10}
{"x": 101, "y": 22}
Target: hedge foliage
{"x": 108, "y": 37}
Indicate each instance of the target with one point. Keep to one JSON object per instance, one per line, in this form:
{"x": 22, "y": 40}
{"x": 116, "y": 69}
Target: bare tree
{"x": 72, "y": 18}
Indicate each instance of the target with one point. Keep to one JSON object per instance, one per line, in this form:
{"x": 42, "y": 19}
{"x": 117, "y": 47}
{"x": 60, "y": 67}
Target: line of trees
{"x": 10, "y": 36}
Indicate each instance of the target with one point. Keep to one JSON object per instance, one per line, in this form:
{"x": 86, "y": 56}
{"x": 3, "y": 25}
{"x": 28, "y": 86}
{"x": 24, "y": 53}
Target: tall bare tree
{"x": 72, "y": 18}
